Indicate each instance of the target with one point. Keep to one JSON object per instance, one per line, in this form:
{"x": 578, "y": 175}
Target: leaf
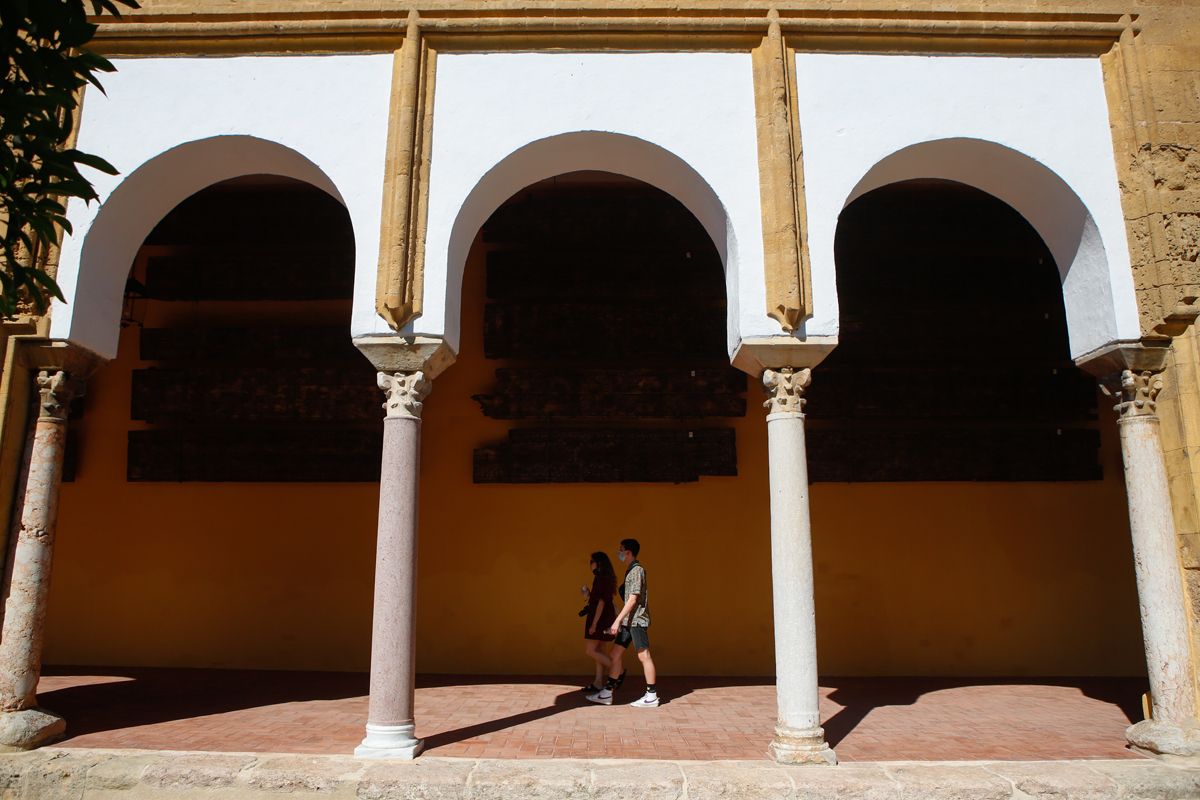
{"x": 95, "y": 162}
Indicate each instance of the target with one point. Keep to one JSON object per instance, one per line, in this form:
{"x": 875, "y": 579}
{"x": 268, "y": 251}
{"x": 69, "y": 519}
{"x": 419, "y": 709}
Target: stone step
{"x": 94, "y": 774}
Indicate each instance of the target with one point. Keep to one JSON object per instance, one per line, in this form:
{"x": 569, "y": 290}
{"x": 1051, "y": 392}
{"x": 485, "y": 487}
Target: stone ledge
{"x": 114, "y": 774}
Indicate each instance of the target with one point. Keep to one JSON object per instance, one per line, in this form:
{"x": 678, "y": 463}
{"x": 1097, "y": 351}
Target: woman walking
{"x": 599, "y": 616}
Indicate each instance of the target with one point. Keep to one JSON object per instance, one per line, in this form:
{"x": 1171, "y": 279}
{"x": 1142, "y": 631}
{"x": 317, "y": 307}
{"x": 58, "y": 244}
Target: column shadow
{"x": 134, "y": 696}
{"x": 860, "y": 696}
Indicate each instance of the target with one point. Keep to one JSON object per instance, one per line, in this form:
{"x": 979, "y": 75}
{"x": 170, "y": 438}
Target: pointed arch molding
{"x": 771, "y": 32}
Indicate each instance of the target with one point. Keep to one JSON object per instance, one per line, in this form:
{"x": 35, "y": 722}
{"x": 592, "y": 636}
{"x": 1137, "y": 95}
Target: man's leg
{"x": 648, "y": 666}
{"x": 641, "y": 640}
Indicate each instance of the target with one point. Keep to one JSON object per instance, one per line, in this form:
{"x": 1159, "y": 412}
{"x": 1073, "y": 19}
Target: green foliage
{"x": 45, "y": 65}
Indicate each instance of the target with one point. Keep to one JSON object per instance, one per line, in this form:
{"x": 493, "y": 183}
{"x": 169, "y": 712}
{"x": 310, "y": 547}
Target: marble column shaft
{"x": 28, "y": 581}
{"x": 1155, "y": 551}
{"x": 391, "y": 727}
{"x": 799, "y": 737}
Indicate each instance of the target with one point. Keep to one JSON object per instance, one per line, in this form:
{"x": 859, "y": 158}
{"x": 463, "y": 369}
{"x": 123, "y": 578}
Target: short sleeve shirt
{"x": 635, "y": 583}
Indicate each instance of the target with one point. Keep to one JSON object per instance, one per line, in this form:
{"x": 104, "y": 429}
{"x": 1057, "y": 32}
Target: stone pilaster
{"x": 799, "y": 738}
{"x": 391, "y": 724}
{"x": 1131, "y": 374}
{"x": 22, "y": 724}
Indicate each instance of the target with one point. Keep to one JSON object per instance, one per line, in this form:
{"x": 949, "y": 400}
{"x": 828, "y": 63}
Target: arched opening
{"x": 953, "y": 440}
{"x": 222, "y": 507}
{"x": 592, "y": 400}
{"x": 456, "y": 213}
{"x": 96, "y": 259}
{"x": 1097, "y": 290}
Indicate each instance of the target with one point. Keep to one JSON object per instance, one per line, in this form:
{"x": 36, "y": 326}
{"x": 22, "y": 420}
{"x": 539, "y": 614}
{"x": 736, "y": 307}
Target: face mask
{"x": 621, "y": 557}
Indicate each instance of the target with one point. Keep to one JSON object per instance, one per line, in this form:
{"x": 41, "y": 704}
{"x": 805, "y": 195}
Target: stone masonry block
{"x": 1176, "y": 96}
{"x": 211, "y": 772}
{"x": 649, "y": 780}
{"x": 860, "y": 781}
{"x": 737, "y": 781}
{"x": 503, "y": 780}
{"x": 299, "y": 773}
{"x": 1139, "y": 779}
{"x": 424, "y": 779}
{"x": 1182, "y": 236}
{"x": 1184, "y": 134}
{"x": 1172, "y": 58}
{"x": 920, "y": 781}
{"x": 1056, "y": 781}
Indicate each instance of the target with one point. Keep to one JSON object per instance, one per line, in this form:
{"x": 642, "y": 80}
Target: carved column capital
{"x": 56, "y": 389}
{"x": 405, "y": 393}
{"x": 1135, "y": 392}
{"x": 785, "y": 389}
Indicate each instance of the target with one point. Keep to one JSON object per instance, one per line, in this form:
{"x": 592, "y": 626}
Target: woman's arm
{"x": 596, "y": 618}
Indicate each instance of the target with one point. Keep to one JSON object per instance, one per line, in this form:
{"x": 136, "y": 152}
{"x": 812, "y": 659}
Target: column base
{"x": 794, "y": 746}
{"x": 1164, "y": 738}
{"x": 29, "y": 728}
{"x": 390, "y": 741}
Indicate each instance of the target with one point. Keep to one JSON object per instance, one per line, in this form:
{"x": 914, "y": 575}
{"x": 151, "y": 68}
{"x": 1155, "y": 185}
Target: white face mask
{"x": 621, "y": 556}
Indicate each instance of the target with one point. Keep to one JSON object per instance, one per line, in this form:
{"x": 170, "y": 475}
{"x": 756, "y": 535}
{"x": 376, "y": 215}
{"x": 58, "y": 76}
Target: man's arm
{"x": 634, "y": 582}
{"x": 630, "y": 603}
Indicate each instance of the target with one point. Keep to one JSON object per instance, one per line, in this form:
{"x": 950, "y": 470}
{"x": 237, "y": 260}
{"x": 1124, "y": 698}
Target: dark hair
{"x": 631, "y": 545}
{"x": 603, "y": 564}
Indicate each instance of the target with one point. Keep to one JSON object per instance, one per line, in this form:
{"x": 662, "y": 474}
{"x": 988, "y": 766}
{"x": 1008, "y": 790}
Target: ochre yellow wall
{"x": 953, "y": 579}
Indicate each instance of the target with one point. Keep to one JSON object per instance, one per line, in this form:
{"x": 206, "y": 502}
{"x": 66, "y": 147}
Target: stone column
{"x": 1173, "y": 726}
{"x": 391, "y": 728}
{"x": 799, "y": 738}
{"x": 22, "y": 724}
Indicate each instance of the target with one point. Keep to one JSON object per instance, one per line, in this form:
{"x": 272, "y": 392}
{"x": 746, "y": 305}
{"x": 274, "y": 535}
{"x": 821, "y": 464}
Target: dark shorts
{"x": 638, "y": 636}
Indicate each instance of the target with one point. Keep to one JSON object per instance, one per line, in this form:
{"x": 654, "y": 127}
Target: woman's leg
{"x": 592, "y": 648}
{"x": 615, "y": 655}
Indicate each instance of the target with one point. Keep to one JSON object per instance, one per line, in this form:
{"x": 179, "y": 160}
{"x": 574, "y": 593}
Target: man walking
{"x": 632, "y": 626}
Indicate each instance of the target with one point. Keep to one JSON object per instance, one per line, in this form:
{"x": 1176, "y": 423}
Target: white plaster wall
{"x": 856, "y": 110}
{"x": 325, "y": 115}
{"x": 697, "y": 106}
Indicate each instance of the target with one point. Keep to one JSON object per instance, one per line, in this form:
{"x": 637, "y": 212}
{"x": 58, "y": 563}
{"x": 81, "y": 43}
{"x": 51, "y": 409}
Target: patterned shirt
{"x": 635, "y": 583}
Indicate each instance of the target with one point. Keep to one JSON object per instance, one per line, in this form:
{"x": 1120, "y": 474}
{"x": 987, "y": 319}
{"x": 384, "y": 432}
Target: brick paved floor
{"x": 866, "y": 719}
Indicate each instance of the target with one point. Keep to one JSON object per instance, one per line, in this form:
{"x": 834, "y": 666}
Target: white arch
{"x": 97, "y": 259}
{"x": 587, "y": 151}
{"x": 1046, "y": 201}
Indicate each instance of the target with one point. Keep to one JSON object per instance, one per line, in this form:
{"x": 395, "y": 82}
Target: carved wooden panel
{"x": 858, "y": 394}
{"x": 258, "y": 345}
{"x": 230, "y": 394}
{"x": 547, "y": 393}
{"x": 951, "y": 453}
{"x": 601, "y": 331}
{"x": 629, "y": 271}
{"x": 607, "y": 455}
{"x": 253, "y": 455}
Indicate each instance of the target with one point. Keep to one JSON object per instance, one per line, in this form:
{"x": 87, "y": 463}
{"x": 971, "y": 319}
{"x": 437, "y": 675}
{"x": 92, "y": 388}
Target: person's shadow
{"x": 568, "y": 699}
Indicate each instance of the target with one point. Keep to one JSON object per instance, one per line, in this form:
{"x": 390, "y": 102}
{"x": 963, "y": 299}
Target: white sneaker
{"x": 648, "y": 700}
{"x": 604, "y": 698}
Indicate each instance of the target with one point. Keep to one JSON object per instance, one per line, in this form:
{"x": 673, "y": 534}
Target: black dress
{"x": 603, "y": 587}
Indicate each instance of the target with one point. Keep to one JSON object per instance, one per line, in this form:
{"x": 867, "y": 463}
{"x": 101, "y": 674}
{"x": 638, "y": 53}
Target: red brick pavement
{"x": 866, "y": 719}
